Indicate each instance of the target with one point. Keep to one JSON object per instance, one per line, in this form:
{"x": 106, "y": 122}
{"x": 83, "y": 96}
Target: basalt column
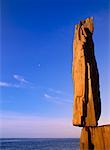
{"x": 87, "y": 105}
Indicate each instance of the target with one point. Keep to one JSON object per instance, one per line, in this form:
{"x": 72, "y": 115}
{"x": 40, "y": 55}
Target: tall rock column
{"x": 87, "y": 104}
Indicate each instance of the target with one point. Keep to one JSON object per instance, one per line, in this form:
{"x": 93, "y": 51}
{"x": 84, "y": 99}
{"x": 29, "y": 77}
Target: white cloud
{"x": 57, "y": 99}
{"x": 20, "y": 78}
{"x": 6, "y": 84}
{"x": 52, "y": 99}
{"x": 55, "y": 91}
{"x": 58, "y": 92}
{"x": 47, "y": 96}
{"x": 17, "y": 125}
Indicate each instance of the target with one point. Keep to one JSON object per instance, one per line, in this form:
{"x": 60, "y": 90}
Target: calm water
{"x": 39, "y": 144}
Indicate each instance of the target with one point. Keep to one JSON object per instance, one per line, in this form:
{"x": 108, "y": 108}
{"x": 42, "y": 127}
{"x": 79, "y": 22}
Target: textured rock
{"x": 87, "y": 105}
{"x": 95, "y": 138}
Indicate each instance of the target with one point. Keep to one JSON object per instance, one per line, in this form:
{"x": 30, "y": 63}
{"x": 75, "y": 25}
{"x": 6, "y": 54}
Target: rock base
{"x": 95, "y": 138}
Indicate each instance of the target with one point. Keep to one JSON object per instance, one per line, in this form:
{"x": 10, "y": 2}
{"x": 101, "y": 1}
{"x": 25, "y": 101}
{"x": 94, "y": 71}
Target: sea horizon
{"x": 39, "y": 143}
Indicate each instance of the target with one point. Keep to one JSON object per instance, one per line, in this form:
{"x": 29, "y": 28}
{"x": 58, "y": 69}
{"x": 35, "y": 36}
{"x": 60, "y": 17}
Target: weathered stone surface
{"x": 95, "y": 138}
{"x": 87, "y": 105}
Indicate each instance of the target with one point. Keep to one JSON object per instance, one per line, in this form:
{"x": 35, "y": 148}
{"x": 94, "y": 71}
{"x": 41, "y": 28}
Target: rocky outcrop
{"x": 95, "y": 138}
{"x": 87, "y": 105}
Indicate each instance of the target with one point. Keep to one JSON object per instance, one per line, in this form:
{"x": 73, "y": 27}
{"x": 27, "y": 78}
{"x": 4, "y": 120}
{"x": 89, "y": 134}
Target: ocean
{"x": 39, "y": 144}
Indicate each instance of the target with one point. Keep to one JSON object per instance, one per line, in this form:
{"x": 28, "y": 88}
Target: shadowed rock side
{"x": 95, "y": 138}
{"x": 87, "y": 105}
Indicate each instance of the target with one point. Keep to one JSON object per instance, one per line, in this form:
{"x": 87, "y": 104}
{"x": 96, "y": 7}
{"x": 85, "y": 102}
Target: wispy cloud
{"x": 59, "y": 92}
{"x": 6, "y": 84}
{"x": 57, "y": 96}
{"x": 20, "y": 78}
{"x": 47, "y": 96}
{"x": 57, "y": 99}
{"x": 55, "y": 91}
{"x": 22, "y": 83}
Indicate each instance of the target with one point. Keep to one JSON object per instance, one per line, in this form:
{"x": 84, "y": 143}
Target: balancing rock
{"x": 87, "y": 104}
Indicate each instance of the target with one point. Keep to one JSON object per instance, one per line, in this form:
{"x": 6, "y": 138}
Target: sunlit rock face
{"x": 87, "y": 105}
{"x": 95, "y": 138}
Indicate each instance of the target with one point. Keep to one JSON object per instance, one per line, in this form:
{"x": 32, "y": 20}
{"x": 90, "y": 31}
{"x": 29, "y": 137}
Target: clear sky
{"x": 36, "y": 81}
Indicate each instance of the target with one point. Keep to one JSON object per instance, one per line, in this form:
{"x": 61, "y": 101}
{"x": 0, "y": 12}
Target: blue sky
{"x": 36, "y": 80}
